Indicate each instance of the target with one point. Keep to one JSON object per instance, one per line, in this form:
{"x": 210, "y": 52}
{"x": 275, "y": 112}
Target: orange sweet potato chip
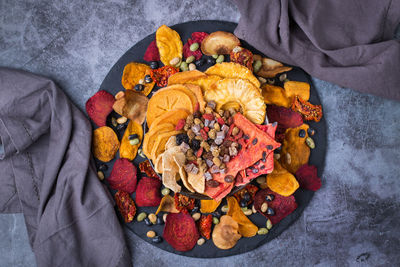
{"x": 295, "y": 152}
{"x": 133, "y": 73}
{"x": 246, "y": 227}
{"x": 105, "y": 143}
{"x": 127, "y": 150}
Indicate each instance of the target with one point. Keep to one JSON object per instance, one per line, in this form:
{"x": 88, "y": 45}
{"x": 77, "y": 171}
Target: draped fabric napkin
{"x": 347, "y": 42}
{"x": 47, "y": 173}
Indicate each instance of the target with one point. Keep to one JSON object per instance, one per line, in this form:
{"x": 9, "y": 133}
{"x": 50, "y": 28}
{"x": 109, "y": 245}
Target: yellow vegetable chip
{"x": 133, "y": 73}
{"x": 127, "y": 150}
{"x": 169, "y": 44}
{"x": 208, "y": 206}
{"x": 275, "y": 95}
{"x": 293, "y": 88}
{"x": 105, "y": 143}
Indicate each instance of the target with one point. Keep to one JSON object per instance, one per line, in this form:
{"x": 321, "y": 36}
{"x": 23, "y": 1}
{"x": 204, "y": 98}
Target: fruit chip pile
{"x": 240, "y": 123}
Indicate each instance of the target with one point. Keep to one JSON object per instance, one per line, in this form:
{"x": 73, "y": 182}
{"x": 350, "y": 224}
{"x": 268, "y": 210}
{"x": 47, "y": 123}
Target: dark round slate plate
{"x": 112, "y": 84}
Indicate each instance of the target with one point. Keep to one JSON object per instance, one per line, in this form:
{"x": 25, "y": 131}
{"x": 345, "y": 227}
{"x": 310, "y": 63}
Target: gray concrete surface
{"x": 352, "y": 221}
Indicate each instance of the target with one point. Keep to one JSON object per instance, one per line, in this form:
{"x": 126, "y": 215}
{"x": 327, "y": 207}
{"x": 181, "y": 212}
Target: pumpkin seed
{"x": 190, "y": 59}
{"x": 220, "y": 59}
{"x": 224, "y": 208}
{"x": 201, "y": 241}
{"x": 215, "y": 56}
{"x": 257, "y": 65}
{"x": 193, "y": 47}
{"x": 174, "y": 61}
{"x": 114, "y": 121}
{"x": 310, "y": 142}
{"x": 165, "y": 191}
{"x": 261, "y": 180}
{"x": 215, "y": 220}
{"x": 184, "y": 66}
{"x": 100, "y": 174}
{"x": 151, "y": 234}
{"x": 269, "y": 224}
{"x": 141, "y": 216}
{"x": 153, "y": 218}
{"x": 264, "y": 207}
{"x": 262, "y": 231}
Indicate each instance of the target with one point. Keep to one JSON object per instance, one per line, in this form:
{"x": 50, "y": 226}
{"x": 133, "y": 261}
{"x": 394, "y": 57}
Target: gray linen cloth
{"x": 47, "y": 172}
{"x": 347, "y": 42}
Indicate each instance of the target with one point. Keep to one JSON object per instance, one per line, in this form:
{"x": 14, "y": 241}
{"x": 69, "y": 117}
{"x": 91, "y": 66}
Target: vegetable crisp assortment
{"x": 234, "y": 133}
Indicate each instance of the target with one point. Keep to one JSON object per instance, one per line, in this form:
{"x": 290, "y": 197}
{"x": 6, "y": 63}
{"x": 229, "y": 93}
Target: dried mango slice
{"x": 233, "y": 70}
{"x": 225, "y": 234}
{"x": 209, "y": 205}
{"x": 275, "y": 95}
{"x": 105, "y": 143}
{"x": 167, "y": 204}
{"x": 133, "y": 73}
{"x": 246, "y": 227}
{"x": 295, "y": 152}
{"x": 281, "y": 181}
{"x": 301, "y": 89}
{"x": 127, "y": 150}
{"x": 169, "y": 44}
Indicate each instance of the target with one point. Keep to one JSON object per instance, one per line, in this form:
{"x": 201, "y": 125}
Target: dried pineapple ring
{"x": 233, "y": 70}
{"x": 169, "y": 44}
{"x": 236, "y": 92}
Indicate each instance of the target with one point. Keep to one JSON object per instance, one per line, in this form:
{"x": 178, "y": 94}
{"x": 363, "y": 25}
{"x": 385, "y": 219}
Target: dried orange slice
{"x": 233, "y": 70}
{"x": 133, "y": 73}
{"x": 166, "y": 100}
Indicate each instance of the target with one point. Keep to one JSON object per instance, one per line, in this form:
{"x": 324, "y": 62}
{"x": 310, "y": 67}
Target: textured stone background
{"x": 353, "y": 220}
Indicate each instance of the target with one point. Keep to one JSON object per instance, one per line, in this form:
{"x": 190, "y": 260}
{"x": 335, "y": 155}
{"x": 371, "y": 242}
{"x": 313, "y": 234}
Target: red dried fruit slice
{"x": 125, "y": 205}
{"x": 198, "y": 37}
{"x": 183, "y": 203}
{"x": 148, "y": 192}
{"x": 180, "y": 231}
{"x": 99, "y": 106}
{"x": 123, "y": 176}
{"x": 187, "y": 52}
{"x": 308, "y": 178}
{"x": 161, "y": 75}
{"x": 152, "y": 53}
{"x": 146, "y": 168}
{"x": 205, "y": 224}
{"x": 285, "y": 117}
{"x": 309, "y": 111}
{"x": 281, "y": 205}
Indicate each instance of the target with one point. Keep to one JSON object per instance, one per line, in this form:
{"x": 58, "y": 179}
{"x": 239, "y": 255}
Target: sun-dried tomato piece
{"x": 183, "y": 203}
{"x": 308, "y": 110}
{"x": 146, "y": 168}
{"x": 205, "y": 224}
{"x": 161, "y": 75}
{"x": 243, "y": 57}
{"x": 125, "y": 205}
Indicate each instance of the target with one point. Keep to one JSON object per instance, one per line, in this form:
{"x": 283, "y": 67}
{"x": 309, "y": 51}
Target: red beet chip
{"x": 187, "y": 52}
{"x": 181, "y": 123}
{"x": 99, "y": 106}
{"x": 285, "y": 117}
{"x": 125, "y": 205}
{"x": 152, "y": 53}
{"x": 123, "y": 176}
{"x": 308, "y": 178}
{"x": 180, "y": 231}
{"x": 281, "y": 205}
{"x": 198, "y": 37}
{"x": 148, "y": 192}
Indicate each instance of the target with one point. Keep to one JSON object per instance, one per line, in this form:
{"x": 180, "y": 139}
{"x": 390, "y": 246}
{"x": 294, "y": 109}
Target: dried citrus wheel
{"x": 275, "y": 95}
{"x": 169, "y": 44}
{"x": 281, "y": 181}
{"x": 105, "y": 143}
{"x": 233, "y": 70}
{"x": 167, "y": 100}
{"x": 185, "y": 77}
{"x": 159, "y": 144}
{"x": 133, "y": 73}
{"x": 238, "y": 93}
{"x": 150, "y": 137}
{"x": 127, "y": 150}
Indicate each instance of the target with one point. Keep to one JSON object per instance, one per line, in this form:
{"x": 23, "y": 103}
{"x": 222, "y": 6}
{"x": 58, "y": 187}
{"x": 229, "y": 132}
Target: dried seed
{"x": 201, "y": 241}
{"x": 100, "y": 175}
{"x": 288, "y": 158}
{"x": 248, "y": 212}
{"x": 193, "y": 47}
{"x": 229, "y": 178}
{"x": 220, "y": 59}
{"x": 254, "y": 142}
{"x": 269, "y": 224}
{"x": 165, "y": 191}
{"x": 261, "y": 179}
{"x": 196, "y": 216}
{"x": 277, "y": 156}
{"x": 215, "y": 220}
{"x": 262, "y": 231}
{"x": 235, "y": 131}
{"x": 192, "y": 66}
{"x": 165, "y": 217}
{"x": 122, "y": 120}
{"x": 174, "y": 61}
{"x": 282, "y": 77}
{"x": 190, "y": 60}
{"x": 141, "y": 216}
{"x": 153, "y": 218}
{"x": 262, "y": 80}
{"x": 151, "y": 234}
{"x": 310, "y": 142}
{"x": 257, "y": 65}
{"x": 264, "y": 207}
{"x": 224, "y": 208}
{"x": 253, "y": 209}
{"x": 212, "y": 183}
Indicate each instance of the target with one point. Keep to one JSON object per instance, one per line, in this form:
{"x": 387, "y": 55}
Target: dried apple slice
{"x": 219, "y": 43}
